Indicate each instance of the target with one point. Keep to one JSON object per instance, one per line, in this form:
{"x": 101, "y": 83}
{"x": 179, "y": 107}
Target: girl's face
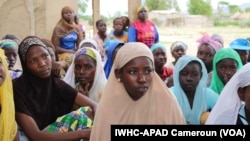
{"x": 85, "y": 67}
{"x": 11, "y": 55}
{"x": 38, "y": 61}
{"x": 244, "y": 94}
{"x": 102, "y": 27}
{"x": 206, "y": 54}
{"x": 68, "y": 16}
{"x": 159, "y": 57}
{"x": 178, "y": 52}
{"x": 226, "y": 68}
{"x": 2, "y": 72}
{"x": 136, "y": 76}
{"x": 190, "y": 76}
{"x": 118, "y": 25}
{"x": 243, "y": 55}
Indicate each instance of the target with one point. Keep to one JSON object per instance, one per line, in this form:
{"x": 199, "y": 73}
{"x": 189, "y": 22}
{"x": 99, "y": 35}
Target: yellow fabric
{"x": 157, "y": 106}
{"x": 139, "y": 8}
{"x": 8, "y": 126}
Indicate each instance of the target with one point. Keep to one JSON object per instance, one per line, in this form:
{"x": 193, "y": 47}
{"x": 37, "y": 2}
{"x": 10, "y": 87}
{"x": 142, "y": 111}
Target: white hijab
{"x": 99, "y": 81}
{"x": 227, "y": 106}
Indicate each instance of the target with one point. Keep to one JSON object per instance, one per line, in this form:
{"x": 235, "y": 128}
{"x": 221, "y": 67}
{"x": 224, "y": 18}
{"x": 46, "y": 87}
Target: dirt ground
{"x": 189, "y": 35}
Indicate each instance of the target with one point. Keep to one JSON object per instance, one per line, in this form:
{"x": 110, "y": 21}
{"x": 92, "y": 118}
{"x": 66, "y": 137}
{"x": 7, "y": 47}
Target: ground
{"x": 189, "y": 35}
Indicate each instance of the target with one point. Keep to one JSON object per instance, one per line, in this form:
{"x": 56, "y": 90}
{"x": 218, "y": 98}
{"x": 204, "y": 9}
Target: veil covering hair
{"x": 227, "y": 106}
{"x": 8, "y": 126}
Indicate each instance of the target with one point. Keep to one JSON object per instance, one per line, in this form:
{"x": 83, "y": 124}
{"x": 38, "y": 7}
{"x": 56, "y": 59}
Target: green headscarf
{"x": 224, "y": 53}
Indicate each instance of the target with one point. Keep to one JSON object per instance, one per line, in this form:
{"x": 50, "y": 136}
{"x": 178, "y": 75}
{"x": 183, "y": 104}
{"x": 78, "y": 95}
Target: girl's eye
{"x": 132, "y": 72}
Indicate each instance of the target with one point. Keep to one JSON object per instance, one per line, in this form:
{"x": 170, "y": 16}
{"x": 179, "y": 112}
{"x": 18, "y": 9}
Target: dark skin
{"x": 244, "y": 94}
{"x": 69, "y": 17}
{"x": 85, "y": 67}
{"x": 11, "y": 54}
{"x": 118, "y": 27}
{"x": 177, "y": 53}
{"x": 102, "y": 28}
{"x": 160, "y": 60}
{"x": 136, "y": 76}
{"x": 243, "y": 55}
{"x": 143, "y": 15}
{"x": 189, "y": 78}
{"x": 39, "y": 63}
{"x": 226, "y": 68}
{"x": 206, "y": 54}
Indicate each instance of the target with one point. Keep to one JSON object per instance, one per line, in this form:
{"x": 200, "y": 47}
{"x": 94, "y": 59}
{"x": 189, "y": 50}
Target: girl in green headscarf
{"x": 225, "y": 64}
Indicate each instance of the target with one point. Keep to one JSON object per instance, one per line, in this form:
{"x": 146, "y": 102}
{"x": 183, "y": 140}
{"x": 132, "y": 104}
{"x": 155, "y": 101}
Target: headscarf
{"x": 218, "y": 38}
{"x": 224, "y": 53}
{"x": 8, "y": 126}
{"x": 139, "y": 8}
{"x": 178, "y": 44}
{"x": 192, "y": 115}
{"x": 36, "y": 96}
{"x": 156, "y": 106}
{"x": 63, "y": 27}
{"x": 206, "y": 39}
{"x": 91, "y": 41}
{"x": 227, "y": 106}
{"x": 7, "y": 43}
{"x": 111, "y": 48}
{"x": 100, "y": 80}
{"x": 158, "y": 45}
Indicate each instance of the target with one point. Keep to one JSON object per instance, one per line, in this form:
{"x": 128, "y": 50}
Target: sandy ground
{"x": 189, "y": 35}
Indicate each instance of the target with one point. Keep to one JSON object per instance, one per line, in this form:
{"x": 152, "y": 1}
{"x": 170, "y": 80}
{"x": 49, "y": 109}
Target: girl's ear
{"x": 118, "y": 74}
{"x": 241, "y": 93}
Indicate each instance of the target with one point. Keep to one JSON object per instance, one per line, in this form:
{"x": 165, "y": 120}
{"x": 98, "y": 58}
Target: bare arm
{"x": 32, "y": 131}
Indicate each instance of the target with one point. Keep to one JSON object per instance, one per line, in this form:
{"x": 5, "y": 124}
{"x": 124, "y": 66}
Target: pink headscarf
{"x": 206, "y": 39}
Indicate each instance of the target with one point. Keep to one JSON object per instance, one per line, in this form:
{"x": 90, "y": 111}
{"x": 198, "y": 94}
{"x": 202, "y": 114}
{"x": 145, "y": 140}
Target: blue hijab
{"x": 111, "y": 48}
{"x": 192, "y": 115}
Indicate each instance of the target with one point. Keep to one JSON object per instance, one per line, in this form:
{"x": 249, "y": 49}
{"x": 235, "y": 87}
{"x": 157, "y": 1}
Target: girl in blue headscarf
{"x": 190, "y": 88}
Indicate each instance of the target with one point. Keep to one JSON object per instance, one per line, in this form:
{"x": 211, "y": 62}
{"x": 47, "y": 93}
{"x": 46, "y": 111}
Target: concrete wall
{"x": 31, "y": 17}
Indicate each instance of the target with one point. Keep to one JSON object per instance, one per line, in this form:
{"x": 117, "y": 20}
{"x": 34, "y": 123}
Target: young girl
{"x": 86, "y": 73}
{"x": 233, "y": 106}
{"x": 190, "y": 89}
{"x": 101, "y": 36}
{"x": 10, "y": 48}
{"x": 66, "y": 35}
{"x": 8, "y": 126}
{"x": 40, "y": 97}
{"x": 160, "y": 59}
{"x": 118, "y": 33}
{"x": 134, "y": 94}
{"x": 225, "y": 64}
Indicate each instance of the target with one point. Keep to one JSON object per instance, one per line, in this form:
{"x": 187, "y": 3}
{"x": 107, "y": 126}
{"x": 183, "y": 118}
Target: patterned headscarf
{"x": 224, "y": 53}
{"x": 99, "y": 83}
{"x": 139, "y": 8}
{"x": 26, "y": 44}
{"x": 8, "y": 126}
{"x": 206, "y": 39}
{"x": 7, "y": 43}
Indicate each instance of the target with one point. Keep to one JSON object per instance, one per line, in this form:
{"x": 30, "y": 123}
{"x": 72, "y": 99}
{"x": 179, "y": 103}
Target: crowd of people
{"x": 70, "y": 87}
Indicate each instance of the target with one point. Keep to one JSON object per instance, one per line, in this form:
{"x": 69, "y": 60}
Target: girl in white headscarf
{"x": 233, "y": 106}
{"x": 96, "y": 85}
